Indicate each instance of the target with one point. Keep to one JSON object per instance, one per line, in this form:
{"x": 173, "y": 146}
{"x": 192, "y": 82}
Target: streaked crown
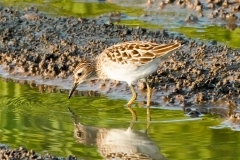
{"x": 84, "y": 71}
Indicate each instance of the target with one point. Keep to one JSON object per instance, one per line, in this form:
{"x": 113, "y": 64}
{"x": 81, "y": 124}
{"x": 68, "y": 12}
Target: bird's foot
{"x": 134, "y": 115}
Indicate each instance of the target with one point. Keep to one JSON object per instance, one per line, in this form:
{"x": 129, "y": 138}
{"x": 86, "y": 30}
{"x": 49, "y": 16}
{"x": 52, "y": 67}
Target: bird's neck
{"x": 98, "y": 68}
{"x": 89, "y": 69}
{"x": 93, "y": 70}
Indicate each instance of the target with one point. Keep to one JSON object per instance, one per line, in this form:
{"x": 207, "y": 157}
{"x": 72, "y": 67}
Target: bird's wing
{"x": 138, "y": 52}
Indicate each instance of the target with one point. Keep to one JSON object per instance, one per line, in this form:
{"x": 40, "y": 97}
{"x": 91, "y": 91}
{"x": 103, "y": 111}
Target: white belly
{"x": 130, "y": 72}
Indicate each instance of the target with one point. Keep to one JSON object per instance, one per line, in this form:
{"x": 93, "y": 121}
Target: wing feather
{"x": 138, "y": 52}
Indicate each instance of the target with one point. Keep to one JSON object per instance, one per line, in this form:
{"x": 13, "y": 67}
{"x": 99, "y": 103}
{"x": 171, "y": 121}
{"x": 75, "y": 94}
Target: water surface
{"x": 41, "y": 121}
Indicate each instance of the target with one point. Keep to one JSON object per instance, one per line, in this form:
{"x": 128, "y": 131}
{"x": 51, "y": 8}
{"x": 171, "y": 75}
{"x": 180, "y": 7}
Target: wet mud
{"x": 22, "y": 153}
{"x": 198, "y": 13}
{"x": 45, "y": 50}
{"x": 42, "y": 51}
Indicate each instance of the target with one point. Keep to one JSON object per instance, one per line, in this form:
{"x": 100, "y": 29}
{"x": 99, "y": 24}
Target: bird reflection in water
{"x": 117, "y": 143}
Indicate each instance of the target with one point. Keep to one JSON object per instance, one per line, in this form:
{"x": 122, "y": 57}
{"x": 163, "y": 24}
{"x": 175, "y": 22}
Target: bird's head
{"x": 84, "y": 71}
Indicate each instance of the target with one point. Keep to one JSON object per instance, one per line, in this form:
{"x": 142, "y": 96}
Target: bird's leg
{"x": 129, "y": 104}
{"x": 149, "y": 94}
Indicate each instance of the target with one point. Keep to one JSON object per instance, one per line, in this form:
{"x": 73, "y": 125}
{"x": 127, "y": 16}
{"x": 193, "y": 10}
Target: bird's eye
{"x": 79, "y": 74}
{"x": 79, "y": 134}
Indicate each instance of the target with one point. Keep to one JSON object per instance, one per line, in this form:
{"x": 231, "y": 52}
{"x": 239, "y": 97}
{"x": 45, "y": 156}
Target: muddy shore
{"x": 22, "y": 153}
{"x": 43, "y": 51}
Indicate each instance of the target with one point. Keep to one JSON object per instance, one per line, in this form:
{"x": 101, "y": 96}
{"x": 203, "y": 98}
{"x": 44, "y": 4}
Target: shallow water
{"x": 41, "y": 121}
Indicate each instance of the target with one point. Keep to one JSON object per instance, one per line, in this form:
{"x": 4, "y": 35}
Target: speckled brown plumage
{"x": 128, "y": 61}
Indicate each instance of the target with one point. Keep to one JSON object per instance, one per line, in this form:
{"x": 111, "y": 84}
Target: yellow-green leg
{"x": 129, "y": 104}
{"x": 149, "y": 94}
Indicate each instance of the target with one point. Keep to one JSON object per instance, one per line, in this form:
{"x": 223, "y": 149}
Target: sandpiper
{"x": 127, "y": 61}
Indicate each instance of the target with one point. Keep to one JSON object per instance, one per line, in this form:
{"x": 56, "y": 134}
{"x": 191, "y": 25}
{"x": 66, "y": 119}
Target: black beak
{"x": 72, "y": 90}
